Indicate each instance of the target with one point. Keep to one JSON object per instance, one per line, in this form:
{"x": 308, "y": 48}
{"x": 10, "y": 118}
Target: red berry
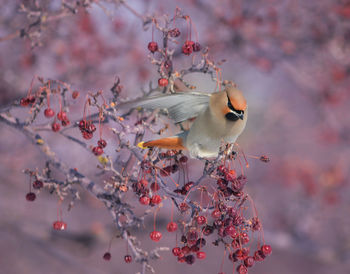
{"x": 37, "y": 184}
{"x": 259, "y": 256}
{"x": 186, "y": 249}
{"x": 102, "y": 143}
{"x": 201, "y": 255}
{"x": 183, "y": 159}
{"x": 196, "y": 47}
{"x": 75, "y": 94}
{"x": 55, "y": 127}
{"x": 59, "y": 225}
{"x": 31, "y": 99}
{"x": 49, "y": 113}
{"x": 187, "y": 47}
{"x": 264, "y": 159}
{"x": 190, "y": 259}
{"x": 241, "y": 269}
{"x": 201, "y": 220}
{"x": 107, "y": 256}
{"x": 87, "y": 135}
{"x": 128, "y": 259}
{"x": 97, "y": 151}
{"x": 194, "y": 248}
{"x": 62, "y": 116}
{"x": 155, "y": 187}
{"x": 240, "y": 254}
{"x": 155, "y": 236}
{"x": 153, "y": 46}
{"x": 249, "y": 261}
{"x": 176, "y": 251}
{"x": 244, "y": 238}
{"x": 143, "y": 182}
{"x": 216, "y": 213}
{"x": 163, "y": 82}
{"x": 24, "y": 102}
{"x": 30, "y": 196}
{"x": 82, "y": 124}
{"x": 156, "y": 199}
{"x": 65, "y": 122}
{"x": 171, "y": 227}
{"x": 266, "y": 250}
{"x": 144, "y": 200}
{"x": 174, "y": 32}
{"x": 231, "y": 231}
{"x": 91, "y": 127}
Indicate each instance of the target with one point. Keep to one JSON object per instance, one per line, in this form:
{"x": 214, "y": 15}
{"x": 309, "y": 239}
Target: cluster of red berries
{"x": 61, "y": 116}
{"x": 98, "y": 150}
{"x": 191, "y": 248}
{"x": 189, "y": 46}
{"x": 87, "y": 129}
{"x": 147, "y": 194}
{"x": 228, "y": 183}
{"x": 27, "y": 100}
{"x": 107, "y": 257}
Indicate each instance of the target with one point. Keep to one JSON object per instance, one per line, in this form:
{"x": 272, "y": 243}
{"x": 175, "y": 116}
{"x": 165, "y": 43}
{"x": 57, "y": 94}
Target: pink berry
{"x": 201, "y": 220}
{"x": 49, "y": 113}
{"x": 107, "y": 256}
{"x": 171, "y": 227}
{"x": 128, "y": 259}
{"x": 201, "y": 255}
{"x": 163, "y": 82}
{"x": 144, "y": 200}
{"x": 266, "y": 250}
{"x": 97, "y": 151}
{"x": 155, "y": 236}
{"x": 55, "y": 127}
{"x": 30, "y": 196}
{"x": 153, "y": 46}
{"x": 156, "y": 199}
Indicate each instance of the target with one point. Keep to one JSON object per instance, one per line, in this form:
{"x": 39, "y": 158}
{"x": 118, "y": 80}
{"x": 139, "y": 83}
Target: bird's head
{"x": 236, "y": 104}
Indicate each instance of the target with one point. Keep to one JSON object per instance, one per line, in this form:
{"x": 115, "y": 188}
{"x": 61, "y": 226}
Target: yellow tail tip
{"x": 140, "y": 145}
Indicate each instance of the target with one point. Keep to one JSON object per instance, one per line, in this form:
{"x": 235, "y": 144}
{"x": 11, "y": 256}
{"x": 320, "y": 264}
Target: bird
{"x": 219, "y": 117}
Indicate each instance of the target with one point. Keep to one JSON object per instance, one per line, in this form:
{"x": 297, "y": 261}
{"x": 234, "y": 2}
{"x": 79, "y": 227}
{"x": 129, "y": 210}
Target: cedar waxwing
{"x": 220, "y": 116}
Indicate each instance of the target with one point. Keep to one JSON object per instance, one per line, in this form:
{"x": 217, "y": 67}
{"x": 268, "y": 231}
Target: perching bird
{"x": 220, "y": 116}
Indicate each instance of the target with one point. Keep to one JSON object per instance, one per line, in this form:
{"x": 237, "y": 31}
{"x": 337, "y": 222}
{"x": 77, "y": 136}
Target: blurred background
{"x": 291, "y": 59}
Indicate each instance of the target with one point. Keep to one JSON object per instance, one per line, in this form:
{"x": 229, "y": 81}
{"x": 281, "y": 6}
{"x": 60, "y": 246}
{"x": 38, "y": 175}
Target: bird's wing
{"x": 180, "y": 106}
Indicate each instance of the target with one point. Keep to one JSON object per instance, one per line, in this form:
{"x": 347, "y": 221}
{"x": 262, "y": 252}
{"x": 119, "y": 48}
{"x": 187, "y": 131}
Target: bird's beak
{"x": 240, "y": 116}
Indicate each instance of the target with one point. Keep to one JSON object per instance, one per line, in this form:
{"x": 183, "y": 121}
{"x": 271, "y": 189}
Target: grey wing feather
{"x": 180, "y": 106}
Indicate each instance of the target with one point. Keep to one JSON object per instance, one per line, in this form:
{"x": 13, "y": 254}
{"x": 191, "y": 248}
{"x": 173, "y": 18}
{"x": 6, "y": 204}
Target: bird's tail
{"x": 174, "y": 142}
